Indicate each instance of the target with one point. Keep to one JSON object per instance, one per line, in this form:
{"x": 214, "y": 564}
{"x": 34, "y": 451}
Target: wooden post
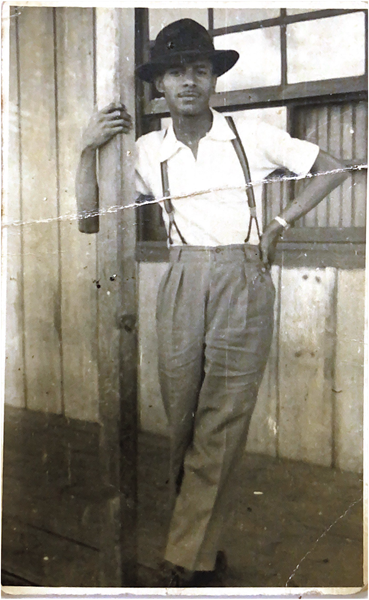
{"x": 128, "y": 310}
{"x": 117, "y": 304}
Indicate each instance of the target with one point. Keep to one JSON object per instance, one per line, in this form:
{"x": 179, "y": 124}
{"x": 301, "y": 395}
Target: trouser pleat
{"x": 214, "y": 327}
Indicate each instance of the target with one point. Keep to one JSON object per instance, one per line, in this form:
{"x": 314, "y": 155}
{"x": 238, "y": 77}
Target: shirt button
{"x": 217, "y": 250}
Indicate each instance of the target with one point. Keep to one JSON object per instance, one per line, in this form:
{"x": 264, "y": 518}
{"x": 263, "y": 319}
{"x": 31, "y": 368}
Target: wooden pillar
{"x": 117, "y": 304}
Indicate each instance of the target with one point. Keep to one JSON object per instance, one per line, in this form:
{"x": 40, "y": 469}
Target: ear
{"x": 214, "y": 83}
{"x": 158, "y": 81}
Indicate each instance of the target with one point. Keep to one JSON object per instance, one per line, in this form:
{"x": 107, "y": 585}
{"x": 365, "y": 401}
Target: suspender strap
{"x": 241, "y": 155}
{"x": 168, "y": 203}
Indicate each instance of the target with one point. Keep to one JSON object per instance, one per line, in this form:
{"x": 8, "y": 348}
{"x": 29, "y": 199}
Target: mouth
{"x": 189, "y": 95}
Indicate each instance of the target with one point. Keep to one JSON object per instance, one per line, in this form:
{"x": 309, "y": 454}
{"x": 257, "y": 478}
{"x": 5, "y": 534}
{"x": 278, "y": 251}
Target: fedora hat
{"x": 184, "y": 40}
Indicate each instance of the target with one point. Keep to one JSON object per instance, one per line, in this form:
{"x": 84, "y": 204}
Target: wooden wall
{"x": 51, "y": 360}
{"x": 342, "y": 130}
{"x": 310, "y": 405}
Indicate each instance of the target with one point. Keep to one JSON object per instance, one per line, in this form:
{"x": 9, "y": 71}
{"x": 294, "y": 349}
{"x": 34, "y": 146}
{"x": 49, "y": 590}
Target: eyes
{"x": 199, "y": 70}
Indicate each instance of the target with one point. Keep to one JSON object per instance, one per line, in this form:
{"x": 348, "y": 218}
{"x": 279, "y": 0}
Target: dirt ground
{"x": 291, "y": 524}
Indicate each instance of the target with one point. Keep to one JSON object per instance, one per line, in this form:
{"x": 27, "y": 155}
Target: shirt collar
{"x": 220, "y": 131}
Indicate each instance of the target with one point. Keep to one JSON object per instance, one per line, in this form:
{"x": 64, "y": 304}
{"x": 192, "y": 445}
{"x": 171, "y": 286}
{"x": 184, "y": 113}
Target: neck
{"x": 189, "y": 129}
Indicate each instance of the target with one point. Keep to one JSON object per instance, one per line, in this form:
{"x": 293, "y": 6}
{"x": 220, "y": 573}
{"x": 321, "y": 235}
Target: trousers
{"x": 214, "y": 324}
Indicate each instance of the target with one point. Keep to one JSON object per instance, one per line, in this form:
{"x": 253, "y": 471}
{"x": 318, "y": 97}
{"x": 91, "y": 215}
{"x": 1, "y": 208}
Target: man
{"x": 215, "y": 303}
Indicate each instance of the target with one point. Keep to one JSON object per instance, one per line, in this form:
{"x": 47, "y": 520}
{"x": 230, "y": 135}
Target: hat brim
{"x": 223, "y": 61}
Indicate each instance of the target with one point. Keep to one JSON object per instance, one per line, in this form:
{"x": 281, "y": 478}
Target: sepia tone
{"x": 86, "y": 454}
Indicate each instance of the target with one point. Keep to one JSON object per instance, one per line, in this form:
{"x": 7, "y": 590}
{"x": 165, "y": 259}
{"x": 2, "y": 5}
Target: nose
{"x": 189, "y": 76}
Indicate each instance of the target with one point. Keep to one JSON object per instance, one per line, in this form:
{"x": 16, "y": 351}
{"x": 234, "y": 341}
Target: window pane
{"x": 259, "y": 63}
{"x": 161, "y": 17}
{"x": 326, "y": 48}
{"x": 276, "y": 115}
{"x": 224, "y": 17}
{"x": 300, "y": 11}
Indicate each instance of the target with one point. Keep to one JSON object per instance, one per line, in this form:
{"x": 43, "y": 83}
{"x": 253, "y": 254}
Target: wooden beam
{"x": 344, "y": 255}
{"x": 211, "y": 18}
{"x": 127, "y": 318}
{"x": 117, "y": 304}
{"x": 283, "y": 46}
{"x": 142, "y": 51}
{"x": 277, "y": 94}
{"x": 325, "y": 235}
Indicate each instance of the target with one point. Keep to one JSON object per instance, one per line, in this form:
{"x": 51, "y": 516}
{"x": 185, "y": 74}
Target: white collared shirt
{"x": 208, "y": 192}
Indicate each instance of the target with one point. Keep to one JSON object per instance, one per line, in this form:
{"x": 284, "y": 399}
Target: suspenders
{"x": 241, "y": 155}
{"x": 168, "y": 203}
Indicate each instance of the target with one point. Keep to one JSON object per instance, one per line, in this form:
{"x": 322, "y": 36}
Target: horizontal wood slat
{"x": 344, "y": 255}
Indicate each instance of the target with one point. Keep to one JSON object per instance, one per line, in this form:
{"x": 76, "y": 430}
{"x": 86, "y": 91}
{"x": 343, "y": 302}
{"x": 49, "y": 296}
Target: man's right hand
{"x": 105, "y": 124}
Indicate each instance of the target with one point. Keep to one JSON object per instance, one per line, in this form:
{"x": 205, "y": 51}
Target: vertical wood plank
{"x": 300, "y": 126}
{"x": 39, "y": 192}
{"x": 360, "y": 136}
{"x": 312, "y": 135}
{"x": 116, "y": 301}
{"x": 305, "y": 364}
{"x": 349, "y": 377}
{"x": 263, "y": 432}
{"x": 334, "y": 148}
{"x": 321, "y": 210}
{"x": 360, "y": 183}
{"x": 14, "y": 360}
{"x": 128, "y": 349}
{"x": 107, "y": 60}
{"x": 360, "y": 177}
{"x": 272, "y": 201}
{"x": 347, "y": 152}
{"x": 151, "y": 408}
{"x": 75, "y": 101}
{"x": 142, "y": 54}
{"x": 106, "y": 82}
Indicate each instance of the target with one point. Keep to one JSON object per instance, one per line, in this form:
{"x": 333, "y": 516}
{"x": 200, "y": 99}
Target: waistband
{"x": 232, "y": 252}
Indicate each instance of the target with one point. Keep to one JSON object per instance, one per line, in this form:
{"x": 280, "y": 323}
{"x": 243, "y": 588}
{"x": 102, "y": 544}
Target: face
{"x": 188, "y": 87}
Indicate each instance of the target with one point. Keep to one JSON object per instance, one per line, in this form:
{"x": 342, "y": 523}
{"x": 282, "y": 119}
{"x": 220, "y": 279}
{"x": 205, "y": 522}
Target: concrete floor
{"x": 302, "y": 529}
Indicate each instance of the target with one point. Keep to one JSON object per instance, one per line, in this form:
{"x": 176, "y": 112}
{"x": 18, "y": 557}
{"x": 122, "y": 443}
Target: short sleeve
{"x": 142, "y": 170}
{"x": 298, "y": 156}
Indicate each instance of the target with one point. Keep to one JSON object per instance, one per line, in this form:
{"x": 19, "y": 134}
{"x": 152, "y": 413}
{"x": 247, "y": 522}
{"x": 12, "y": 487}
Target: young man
{"x": 215, "y": 303}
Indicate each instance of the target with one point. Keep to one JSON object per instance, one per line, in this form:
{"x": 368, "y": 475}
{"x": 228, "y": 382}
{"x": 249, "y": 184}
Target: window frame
{"x": 328, "y": 246}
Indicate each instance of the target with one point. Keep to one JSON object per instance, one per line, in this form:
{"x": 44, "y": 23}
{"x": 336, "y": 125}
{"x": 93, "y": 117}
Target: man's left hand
{"x": 269, "y": 241}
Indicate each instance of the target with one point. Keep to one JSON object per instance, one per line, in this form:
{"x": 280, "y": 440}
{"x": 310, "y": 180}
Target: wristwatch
{"x": 282, "y": 222}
